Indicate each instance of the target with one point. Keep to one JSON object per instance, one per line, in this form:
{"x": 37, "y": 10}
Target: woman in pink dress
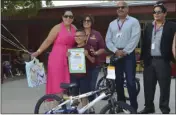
{"x": 63, "y": 37}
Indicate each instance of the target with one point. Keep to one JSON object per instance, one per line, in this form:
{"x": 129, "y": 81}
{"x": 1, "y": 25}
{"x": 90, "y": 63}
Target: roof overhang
{"x": 104, "y": 4}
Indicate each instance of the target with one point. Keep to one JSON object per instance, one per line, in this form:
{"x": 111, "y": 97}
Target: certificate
{"x": 77, "y": 60}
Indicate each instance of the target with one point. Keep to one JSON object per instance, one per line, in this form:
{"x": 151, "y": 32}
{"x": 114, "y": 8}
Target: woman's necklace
{"x": 68, "y": 29}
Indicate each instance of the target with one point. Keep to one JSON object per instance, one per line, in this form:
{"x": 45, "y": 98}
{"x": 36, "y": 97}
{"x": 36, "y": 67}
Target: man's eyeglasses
{"x": 121, "y": 7}
{"x": 157, "y": 12}
{"x": 68, "y": 16}
{"x": 88, "y": 21}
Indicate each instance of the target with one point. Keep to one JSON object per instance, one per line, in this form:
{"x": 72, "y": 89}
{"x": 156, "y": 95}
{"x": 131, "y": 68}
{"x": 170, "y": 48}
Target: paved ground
{"x": 18, "y": 98}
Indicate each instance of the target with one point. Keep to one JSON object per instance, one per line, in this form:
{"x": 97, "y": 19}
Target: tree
{"x": 22, "y": 7}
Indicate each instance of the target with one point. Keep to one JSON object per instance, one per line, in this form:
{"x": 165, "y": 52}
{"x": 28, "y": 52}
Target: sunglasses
{"x": 160, "y": 4}
{"x": 121, "y": 7}
{"x": 88, "y": 21}
{"x": 157, "y": 12}
{"x": 68, "y": 16}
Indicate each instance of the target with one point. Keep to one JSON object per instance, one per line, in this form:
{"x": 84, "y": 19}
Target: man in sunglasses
{"x": 122, "y": 38}
{"x": 157, "y": 55}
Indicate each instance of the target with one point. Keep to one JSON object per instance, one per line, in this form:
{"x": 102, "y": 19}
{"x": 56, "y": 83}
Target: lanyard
{"x": 156, "y": 30}
{"x": 120, "y": 27}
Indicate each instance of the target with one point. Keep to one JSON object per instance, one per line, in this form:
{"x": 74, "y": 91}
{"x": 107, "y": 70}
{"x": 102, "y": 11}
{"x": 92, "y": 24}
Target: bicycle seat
{"x": 67, "y": 85}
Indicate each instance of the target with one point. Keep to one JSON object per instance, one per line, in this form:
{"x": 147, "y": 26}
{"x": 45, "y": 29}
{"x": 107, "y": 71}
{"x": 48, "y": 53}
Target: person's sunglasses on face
{"x": 121, "y": 7}
{"x": 157, "y": 12}
{"x": 88, "y": 21}
{"x": 68, "y": 16}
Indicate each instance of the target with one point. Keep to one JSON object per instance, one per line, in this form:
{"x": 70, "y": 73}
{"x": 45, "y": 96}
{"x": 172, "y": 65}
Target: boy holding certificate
{"x": 81, "y": 79}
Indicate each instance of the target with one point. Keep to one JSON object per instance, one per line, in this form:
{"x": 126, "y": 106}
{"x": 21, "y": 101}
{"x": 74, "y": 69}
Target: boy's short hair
{"x": 81, "y": 30}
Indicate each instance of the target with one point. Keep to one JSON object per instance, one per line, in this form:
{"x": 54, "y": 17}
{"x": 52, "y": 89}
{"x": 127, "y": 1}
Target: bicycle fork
{"x": 111, "y": 101}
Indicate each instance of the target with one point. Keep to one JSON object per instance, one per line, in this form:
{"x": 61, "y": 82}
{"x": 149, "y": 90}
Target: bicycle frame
{"x": 86, "y": 107}
{"x": 89, "y": 105}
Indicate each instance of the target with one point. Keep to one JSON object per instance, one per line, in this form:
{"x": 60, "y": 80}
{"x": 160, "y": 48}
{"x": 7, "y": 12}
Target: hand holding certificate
{"x": 77, "y": 60}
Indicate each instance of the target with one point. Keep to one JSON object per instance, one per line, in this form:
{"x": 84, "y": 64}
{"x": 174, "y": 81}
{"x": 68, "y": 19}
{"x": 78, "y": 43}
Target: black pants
{"x": 159, "y": 70}
{"x": 126, "y": 65}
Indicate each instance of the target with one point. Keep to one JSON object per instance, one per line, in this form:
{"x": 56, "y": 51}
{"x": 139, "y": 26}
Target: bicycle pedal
{"x": 91, "y": 111}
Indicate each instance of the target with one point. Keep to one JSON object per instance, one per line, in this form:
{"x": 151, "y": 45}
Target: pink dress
{"x": 58, "y": 70}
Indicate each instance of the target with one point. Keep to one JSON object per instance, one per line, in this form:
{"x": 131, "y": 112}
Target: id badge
{"x": 118, "y": 35}
{"x": 107, "y": 59}
{"x": 153, "y": 46}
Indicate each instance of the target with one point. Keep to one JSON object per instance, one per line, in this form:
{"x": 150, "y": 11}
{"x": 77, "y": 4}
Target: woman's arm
{"x": 101, "y": 45}
{"x": 48, "y": 41}
{"x": 90, "y": 58}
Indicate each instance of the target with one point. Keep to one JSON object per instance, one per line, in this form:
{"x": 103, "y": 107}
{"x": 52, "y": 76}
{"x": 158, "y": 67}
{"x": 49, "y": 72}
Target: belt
{"x": 156, "y": 57}
{"x": 120, "y": 48}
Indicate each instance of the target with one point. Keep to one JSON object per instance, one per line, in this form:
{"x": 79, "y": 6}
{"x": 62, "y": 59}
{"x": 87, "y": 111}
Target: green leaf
{"x": 22, "y": 7}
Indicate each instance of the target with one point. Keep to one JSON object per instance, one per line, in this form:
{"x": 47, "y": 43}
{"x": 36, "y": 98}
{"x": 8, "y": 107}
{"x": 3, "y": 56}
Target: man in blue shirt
{"x": 122, "y": 38}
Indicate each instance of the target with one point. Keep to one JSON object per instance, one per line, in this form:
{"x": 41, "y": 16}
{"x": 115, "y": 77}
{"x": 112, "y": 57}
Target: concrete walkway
{"x": 18, "y": 98}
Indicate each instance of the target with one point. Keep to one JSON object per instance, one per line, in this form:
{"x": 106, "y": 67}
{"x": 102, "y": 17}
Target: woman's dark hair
{"x": 67, "y": 10}
{"x": 60, "y": 20}
{"x": 84, "y": 18}
{"x": 161, "y": 5}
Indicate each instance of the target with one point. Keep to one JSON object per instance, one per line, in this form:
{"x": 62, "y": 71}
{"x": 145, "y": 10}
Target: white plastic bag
{"x": 35, "y": 73}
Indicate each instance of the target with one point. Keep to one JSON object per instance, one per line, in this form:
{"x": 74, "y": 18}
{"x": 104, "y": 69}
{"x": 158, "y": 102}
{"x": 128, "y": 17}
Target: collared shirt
{"x": 131, "y": 32}
{"x": 96, "y": 40}
{"x": 156, "y": 41}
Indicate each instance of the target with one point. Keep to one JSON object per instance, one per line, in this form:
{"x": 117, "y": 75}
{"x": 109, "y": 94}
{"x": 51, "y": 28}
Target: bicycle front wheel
{"x": 46, "y": 103}
{"x": 103, "y": 82}
{"x": 126, "y": 109}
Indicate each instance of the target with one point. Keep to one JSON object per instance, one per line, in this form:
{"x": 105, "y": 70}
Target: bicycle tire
{"x": 120, "y": 104}
{"x": 42, "y": 99}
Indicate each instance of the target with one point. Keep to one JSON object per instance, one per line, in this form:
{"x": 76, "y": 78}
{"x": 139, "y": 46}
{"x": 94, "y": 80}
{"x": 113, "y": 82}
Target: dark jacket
{"x": 169, "y": 30}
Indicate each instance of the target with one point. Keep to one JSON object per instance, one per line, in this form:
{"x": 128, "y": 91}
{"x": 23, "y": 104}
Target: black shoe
{"x": 165, "y": 112}
{"x": 147, "y": 111}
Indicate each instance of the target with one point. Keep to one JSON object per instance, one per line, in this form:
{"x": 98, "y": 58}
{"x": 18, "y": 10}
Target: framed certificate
{"x": 77, "y": 60}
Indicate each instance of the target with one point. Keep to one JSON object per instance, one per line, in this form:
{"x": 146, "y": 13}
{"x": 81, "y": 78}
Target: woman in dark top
{"x": 96, "y": 42}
